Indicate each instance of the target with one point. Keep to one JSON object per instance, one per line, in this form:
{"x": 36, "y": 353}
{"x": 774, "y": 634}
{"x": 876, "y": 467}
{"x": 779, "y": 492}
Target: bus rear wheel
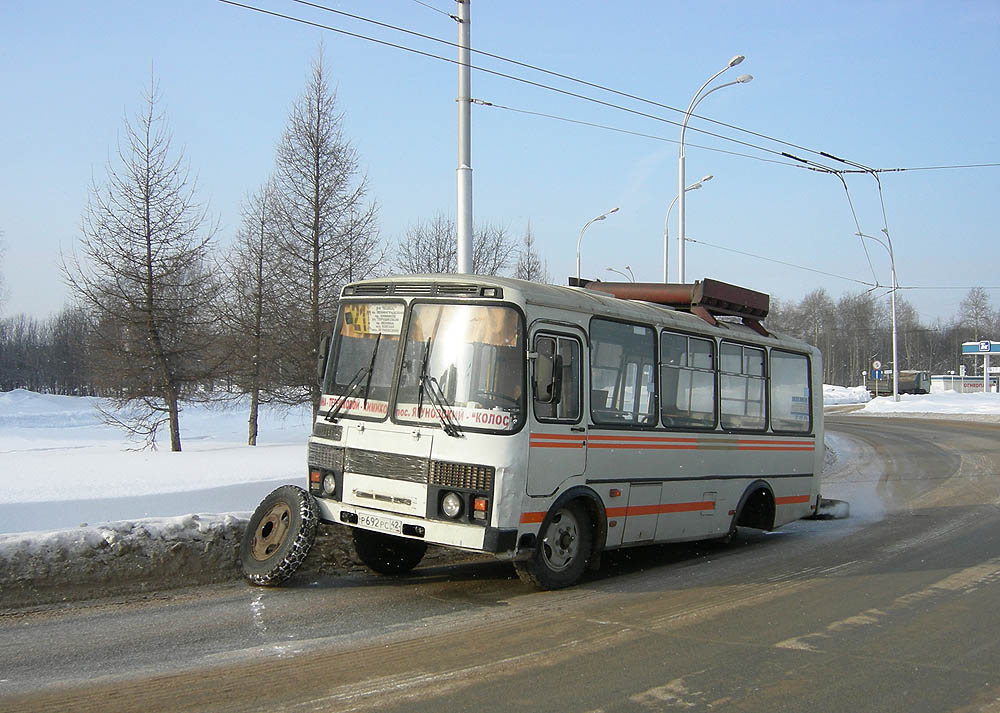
{"x": 562, "y": 549}
{"x": 387, "y": 554}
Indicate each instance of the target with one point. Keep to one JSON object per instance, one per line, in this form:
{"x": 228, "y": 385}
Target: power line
{"x": 929, "y": 168}
{"x": 493, "y": 72}
{"x": 559, "y": 75}
{"x": 580, "y": 122}
{"x": 782, "y": 262}
{"x": 940, "y": 287}
{"x": 436, "y": 9}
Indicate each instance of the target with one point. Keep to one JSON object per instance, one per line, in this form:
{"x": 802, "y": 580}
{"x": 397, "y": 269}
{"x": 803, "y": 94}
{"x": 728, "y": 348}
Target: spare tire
{"x": 279, "y": 536}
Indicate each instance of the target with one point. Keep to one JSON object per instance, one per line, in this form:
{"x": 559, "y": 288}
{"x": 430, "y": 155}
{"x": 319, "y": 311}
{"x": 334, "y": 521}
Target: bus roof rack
{"x": 705, "y": 298}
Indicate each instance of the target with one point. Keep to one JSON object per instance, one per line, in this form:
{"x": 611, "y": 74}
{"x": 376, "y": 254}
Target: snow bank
{"x": 835, "y": 395}
{"x": 122, "y": 557}
{"x": 950, "y": 403}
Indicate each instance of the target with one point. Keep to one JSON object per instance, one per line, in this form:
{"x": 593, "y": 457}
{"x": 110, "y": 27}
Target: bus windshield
{"x": 463, "y": 368}
{"x": 366, "y": 343}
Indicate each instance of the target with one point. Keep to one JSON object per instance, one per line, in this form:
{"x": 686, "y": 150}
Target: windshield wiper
{"x": 433, "y": 388}
{"x": 371, "y": 367}
{"x": 353, "y": 384}
{"x": 448, "y": 422}
{"x": 423, "y": 376}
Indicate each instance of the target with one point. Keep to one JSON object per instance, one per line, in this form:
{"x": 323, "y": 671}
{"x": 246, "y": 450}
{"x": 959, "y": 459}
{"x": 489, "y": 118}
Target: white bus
{"x": 546, "y": 424}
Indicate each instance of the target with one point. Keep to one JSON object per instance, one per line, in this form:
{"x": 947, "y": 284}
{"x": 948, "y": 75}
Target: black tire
{"x": 562, "y": 550}
{"x": 388, "y": 554}
{"x": 279, "y": 536}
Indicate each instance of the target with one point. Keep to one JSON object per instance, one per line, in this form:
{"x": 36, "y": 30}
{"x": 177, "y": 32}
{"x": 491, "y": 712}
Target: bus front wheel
{"x": 562, "y": 549}
{"x": 387, "y": 554}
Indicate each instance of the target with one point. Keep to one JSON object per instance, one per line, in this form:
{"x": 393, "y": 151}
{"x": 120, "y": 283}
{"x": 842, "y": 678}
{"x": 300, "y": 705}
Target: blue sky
{"x": 885, "y": 84}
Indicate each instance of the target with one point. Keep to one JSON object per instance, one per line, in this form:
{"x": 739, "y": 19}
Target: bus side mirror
{"x": 548, "y": 373}
{"x": 321, "y": 356}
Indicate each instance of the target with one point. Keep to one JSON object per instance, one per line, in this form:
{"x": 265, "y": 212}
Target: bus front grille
{"x": 387, "y": 465}
{"x": 462, "y": 475}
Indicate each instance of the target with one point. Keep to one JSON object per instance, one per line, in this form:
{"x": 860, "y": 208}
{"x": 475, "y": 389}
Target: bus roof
{"x": 573, "y": 299}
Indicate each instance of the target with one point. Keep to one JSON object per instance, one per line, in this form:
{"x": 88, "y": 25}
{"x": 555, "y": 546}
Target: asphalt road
{"x": 894, "y": 609}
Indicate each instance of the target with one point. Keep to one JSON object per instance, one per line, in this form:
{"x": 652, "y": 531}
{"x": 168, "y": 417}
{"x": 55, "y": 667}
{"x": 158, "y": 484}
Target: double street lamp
{"x": 666, "y": 220}
{"x": 892, "y": 265}
{"x": 698, "y": 96}
{"x": 630, "y": 276}
{"x": 579, "y": 240}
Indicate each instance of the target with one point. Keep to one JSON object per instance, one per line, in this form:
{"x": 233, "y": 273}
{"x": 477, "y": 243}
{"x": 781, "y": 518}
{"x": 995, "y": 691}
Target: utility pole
{"x": 463, "y": 222}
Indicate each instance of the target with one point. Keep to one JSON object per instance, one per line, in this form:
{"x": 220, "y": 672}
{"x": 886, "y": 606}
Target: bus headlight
{"x": 329, "y": 484}
{"x": 451, "y": 505}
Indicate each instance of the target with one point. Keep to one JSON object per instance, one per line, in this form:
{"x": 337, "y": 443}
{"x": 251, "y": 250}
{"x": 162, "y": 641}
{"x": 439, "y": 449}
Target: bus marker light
{"x": 314, "y": 476}
{"x": 615, "y": 493}
{"x": 480, "y": 504}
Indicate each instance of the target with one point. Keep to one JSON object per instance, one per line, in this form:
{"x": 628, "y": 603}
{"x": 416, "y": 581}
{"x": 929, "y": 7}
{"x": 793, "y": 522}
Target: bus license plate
{"x": 385, "y": 524}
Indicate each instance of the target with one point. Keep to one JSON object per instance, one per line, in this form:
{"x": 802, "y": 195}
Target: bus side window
{"x": 741, "y": 387}
{"x": 790, "y": 392}
{"x": 622, "y": 359}
{"x": 687, "y": 381}
{"x": 567, "y": 406}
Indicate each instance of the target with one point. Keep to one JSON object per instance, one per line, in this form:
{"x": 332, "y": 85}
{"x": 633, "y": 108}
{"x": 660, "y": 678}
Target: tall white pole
{"x": 680, "y": 155}
{"x": 666, "y": 222}
{"x": 464, "y": 171}
{"x": 895, "y": 342}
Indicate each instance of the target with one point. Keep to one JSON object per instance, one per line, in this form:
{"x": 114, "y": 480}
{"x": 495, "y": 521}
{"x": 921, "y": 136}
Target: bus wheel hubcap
{"x": 560, "y": 544}
{"x": 271, "y": 531}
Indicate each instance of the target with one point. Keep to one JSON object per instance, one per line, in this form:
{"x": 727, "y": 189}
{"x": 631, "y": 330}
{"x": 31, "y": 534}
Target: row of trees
{"x": 161, "y": 315}
{"x": 856, "y": 330}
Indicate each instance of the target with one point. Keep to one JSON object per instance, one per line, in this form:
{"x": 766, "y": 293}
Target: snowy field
{"x": 62, "y": 466}
{"x": 77, "y": 498}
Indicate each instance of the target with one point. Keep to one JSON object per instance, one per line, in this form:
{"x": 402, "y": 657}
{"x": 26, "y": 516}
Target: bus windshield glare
{"x": 463, "y": 365}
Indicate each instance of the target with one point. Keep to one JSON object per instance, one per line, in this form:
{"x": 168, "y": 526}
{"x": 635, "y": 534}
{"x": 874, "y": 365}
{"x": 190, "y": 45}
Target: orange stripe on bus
{"x": 792, "y": 500}
{"x": 656, "y": 439}
{"x": 648, "y": 446}
{"x": 578, "y": 444}
{"x": 555, "y": 436}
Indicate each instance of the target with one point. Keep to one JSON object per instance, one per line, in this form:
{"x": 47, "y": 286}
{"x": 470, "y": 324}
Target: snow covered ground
{"x": 75, "y": 495}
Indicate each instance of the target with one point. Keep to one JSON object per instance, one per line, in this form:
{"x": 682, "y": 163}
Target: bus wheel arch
{"x": 568, "y": 541}
{"x": 756, "y": 508}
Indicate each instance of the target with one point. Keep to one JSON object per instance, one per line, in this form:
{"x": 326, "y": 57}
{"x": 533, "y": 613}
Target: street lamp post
{"x": 666, "y": 221}
{"x": 698, "y": 96}
{"x": 579, "y": 240}
{"x": 892, "y": 267}
{"x": 630, "y": 276}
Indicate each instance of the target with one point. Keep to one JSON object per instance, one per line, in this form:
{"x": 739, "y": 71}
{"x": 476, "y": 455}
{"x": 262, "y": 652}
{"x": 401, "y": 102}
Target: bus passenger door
{"x": 558, "y": 439}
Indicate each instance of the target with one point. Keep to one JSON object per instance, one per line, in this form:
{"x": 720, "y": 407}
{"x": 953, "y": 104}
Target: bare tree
{"x": 431, "y": 247}
{"x": 530, "y": 265}
{"x": 428, "y": 247}
{"x": 976, "y": 313}
{"x": 249, "y": 310}
{"x": 492, "y": 250}
{"x": 143, "y": 276}
{"x": 327, "y": 232}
